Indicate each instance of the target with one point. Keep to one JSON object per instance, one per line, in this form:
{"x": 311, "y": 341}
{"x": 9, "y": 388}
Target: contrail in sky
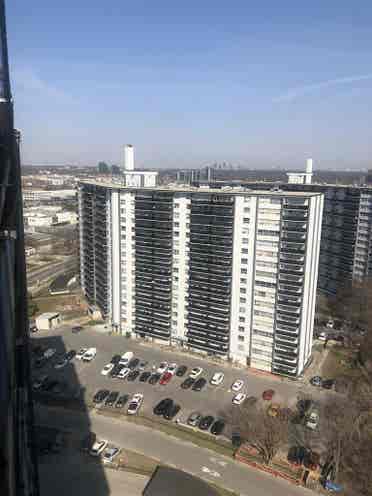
{"x": 294, "y": 93}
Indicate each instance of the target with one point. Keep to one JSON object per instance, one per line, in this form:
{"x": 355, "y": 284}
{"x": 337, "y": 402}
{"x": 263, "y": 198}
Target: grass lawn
{"x": 339, "y": 363}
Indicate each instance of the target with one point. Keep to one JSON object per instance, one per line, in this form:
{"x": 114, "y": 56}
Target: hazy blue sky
{"x": 260, "y": 83}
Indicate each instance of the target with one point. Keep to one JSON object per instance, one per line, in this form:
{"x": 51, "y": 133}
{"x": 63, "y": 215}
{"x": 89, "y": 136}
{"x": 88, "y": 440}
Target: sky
{"x": 255, "y": 83}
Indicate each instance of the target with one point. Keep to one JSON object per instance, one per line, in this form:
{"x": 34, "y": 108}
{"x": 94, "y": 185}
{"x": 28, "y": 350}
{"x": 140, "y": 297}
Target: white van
{"x": 89, "y": 355}
{"x": 126, "y": 358}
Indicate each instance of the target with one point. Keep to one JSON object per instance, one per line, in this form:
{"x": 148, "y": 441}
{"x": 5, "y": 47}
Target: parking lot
{"x": 212, "y": 400}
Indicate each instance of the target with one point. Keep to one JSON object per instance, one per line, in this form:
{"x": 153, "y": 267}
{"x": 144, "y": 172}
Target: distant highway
{"x": 51, "y": 270}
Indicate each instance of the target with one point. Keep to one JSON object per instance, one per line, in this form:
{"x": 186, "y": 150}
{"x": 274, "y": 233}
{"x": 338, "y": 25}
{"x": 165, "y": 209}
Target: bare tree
{"x": 265, "y": 433}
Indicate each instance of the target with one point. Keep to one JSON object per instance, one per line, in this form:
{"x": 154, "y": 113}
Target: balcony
{"x": 288, "y": 309}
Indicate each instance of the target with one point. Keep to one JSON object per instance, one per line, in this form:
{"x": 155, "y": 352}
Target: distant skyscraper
{"x": 226, "y": 272}
{"x": 18, "y": 465}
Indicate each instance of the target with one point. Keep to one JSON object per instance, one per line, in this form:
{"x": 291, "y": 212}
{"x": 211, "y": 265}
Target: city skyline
{"x": 189, "y": 85}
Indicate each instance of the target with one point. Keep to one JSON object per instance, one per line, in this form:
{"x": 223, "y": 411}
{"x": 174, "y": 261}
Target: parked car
{"x": 70, "y": 355}
{"x": 116, "y": 370}
{"x": 107, "y": 369}
{"x": 172, "y": 411}
{"x": 237, "y": 385}
{"x": 144, "y": 377}
{"x": 133, "y": 374}
{"x": 142, "y": 365}
{"x": 199, "y": 384}
{"x": 162, "y": 406}
{"x": 303, "y": 406}
{"x": 162, "y": 367}
{"x": 296, "y": 455}
{"x": 218, "y": 427}
{"x": 187, "y": 383}
{"x": 111, "y": 398}
{"x": 268, "y": 394}
{"x": 217, "y": 378}
{"x": 49, "y": 385}
{"x": 316, "y": 381}
{"x": 115, "y": 359}
{"x": 133, "y": 363}
{"x": 126, "y": 358}
{"x": 110, "y": 454}
{"x": 322, "y": 336}
{"x": 76, "y": 329}
{"x": 312, "y": 420}
{"x": 123, "y": 373}
{"x": 81, "y": 353}
{"x": 62, "y": 362}
{"x": 89, "y": 355}
{"x": 181, "y": 371}
{"x": 122, "y": 401}
{"x": 239, "y": 398}
{"x": 194, "y": 419}
{"x": 195, "y": 372}
{"x": 330, "y": 324}
{"x": 49, "y": 352}
{"x": 165, "y": 378}
{"x": 206, "y": 422}
{"x": 154, "y": 379}
{"x": 172, "y": 368}
{"x": 100, "y": 395}
{"x": 273, "y": 410}
{"x": 40, "y": 362}
{"x": 236, "y": 439}
{"x": 135, "y": 404}
{"x": 332, "y": 487}
{"x": 98, "y": 447}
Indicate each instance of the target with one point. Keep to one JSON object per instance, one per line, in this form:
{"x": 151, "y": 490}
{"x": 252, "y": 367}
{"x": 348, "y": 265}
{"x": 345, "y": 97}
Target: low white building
{"x": 66, "y": 217}
{"x": 47, "y": 321}
{"x": 39, "y": 220}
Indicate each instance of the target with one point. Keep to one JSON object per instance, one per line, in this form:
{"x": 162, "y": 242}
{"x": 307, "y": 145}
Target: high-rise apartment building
{"x": 226, "y": 272}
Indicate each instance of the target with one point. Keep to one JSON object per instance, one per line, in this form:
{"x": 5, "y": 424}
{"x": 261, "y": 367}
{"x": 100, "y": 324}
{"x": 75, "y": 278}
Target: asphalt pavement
{"x": 198, "y": 461}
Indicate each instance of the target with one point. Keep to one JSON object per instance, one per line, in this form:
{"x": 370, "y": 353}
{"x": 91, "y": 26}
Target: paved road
{"x": 172, "y": 451}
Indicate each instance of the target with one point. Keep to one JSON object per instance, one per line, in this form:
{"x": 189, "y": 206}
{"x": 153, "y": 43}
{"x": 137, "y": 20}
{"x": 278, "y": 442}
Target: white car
{"x": 239, "y": 398}
{"x": 135, "y": 404}
{"x": 237, "y": 385}
{"x": 110, "y": 454}
{"x": 81, "y": 353}
{"x": 49, "y": 352}
{"x": 196, "y": 371}
{"x": 89, "y": 355}
{"x": 123, "y": 373}
{"x": 162, "y": 368}
{"x": 217, "y": 378}
{"x": 126, "y": 358}
{"x": 98, "y": 447}
{"x": 330, "y": 324}
{"x": 312, "y": 420}
{"x": 107, "y": 369}
{"x": 322, "y": 336}
{"x": 172, "y": 368}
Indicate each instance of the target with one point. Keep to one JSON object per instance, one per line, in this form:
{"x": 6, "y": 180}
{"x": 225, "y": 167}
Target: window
{"x": 176, "y": 215}
{"x": 242, "y": 310}
{"x": 260, "y": 293}
{"x": 245, "y": 241}
{"x": 263, "y": 333}
{"x": 244, "y": 271}
{"x": 175, "y": 279}
{"x": 243, "y": 280}
{"x": 174, "y": 322}
{"x": 175, "y": 314}
{"x": 241, "y": 347}
{"x": 243, "y": 290}
{"x": 247, "y": 209}
{"x": 243, "y": 300}
{"x": 241, "y": 329}
{"x": 244, "y": 261}
{"x": 176, "y": 224}
{"x": 241, "y": 338}
{"x": 176, "y": 233}
{"x": 174, "y": 305}
{"x": 265, "y": 232}
{"x": 257, "y": 351}
{"x": 241, "y": 319}
{"x": 246, "y": 220}
{"x": 176, "y": 205}
{"x": 176, "y": 252}
{"x": 245, "y": 251}
{"x": 175, "y": 269}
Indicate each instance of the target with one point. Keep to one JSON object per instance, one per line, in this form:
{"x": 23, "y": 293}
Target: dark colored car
{"x": 70, "y": 355}
{"x": 154, "y": 379}
{"x": 144, "y": 377}
{"x": 172, "y": 411}
{"x": 206, "y": 422}
{"x": 328, "y": 383}
{"x": 115, "y": 371}
{"x": 296, "y": 455}
{"x": 218, "y": 427}
{"x": 88, "y": 441}
{"x": 133, "y": 363}
{"x": 59, "y": 387}
{"x": 115, "y": 359}
{"x": 236, "y": 439}
{"x": 100, "y": 395}
{"x": 194, "y": 419}
{"x": 122, "y": 401}
{"x": 49, "y": 385}
{"x": 199, "y": 384}
{"x": 187, "y": 383}
{"x": 38, "y": 350}
{"x": 181, "y": 371}
{"x": 163, "y": 406}
{"x": 111, "y": 398}
{"x": 40, "y": 362}
{"x": 142, "y": 365}
{"x": 303, "y": 406}
{"x": 132, "y": 376}
{"x": 76, "y": 329}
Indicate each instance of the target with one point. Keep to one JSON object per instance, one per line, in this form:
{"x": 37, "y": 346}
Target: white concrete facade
{"x": 252, "y": 300}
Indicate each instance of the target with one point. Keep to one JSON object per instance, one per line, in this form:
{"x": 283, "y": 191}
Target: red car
{"x": 268, "y": 394}
{"x": 166, "y": 378}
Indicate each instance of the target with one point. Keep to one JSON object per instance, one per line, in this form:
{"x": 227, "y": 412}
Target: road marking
{"x": 219, "y": 462}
